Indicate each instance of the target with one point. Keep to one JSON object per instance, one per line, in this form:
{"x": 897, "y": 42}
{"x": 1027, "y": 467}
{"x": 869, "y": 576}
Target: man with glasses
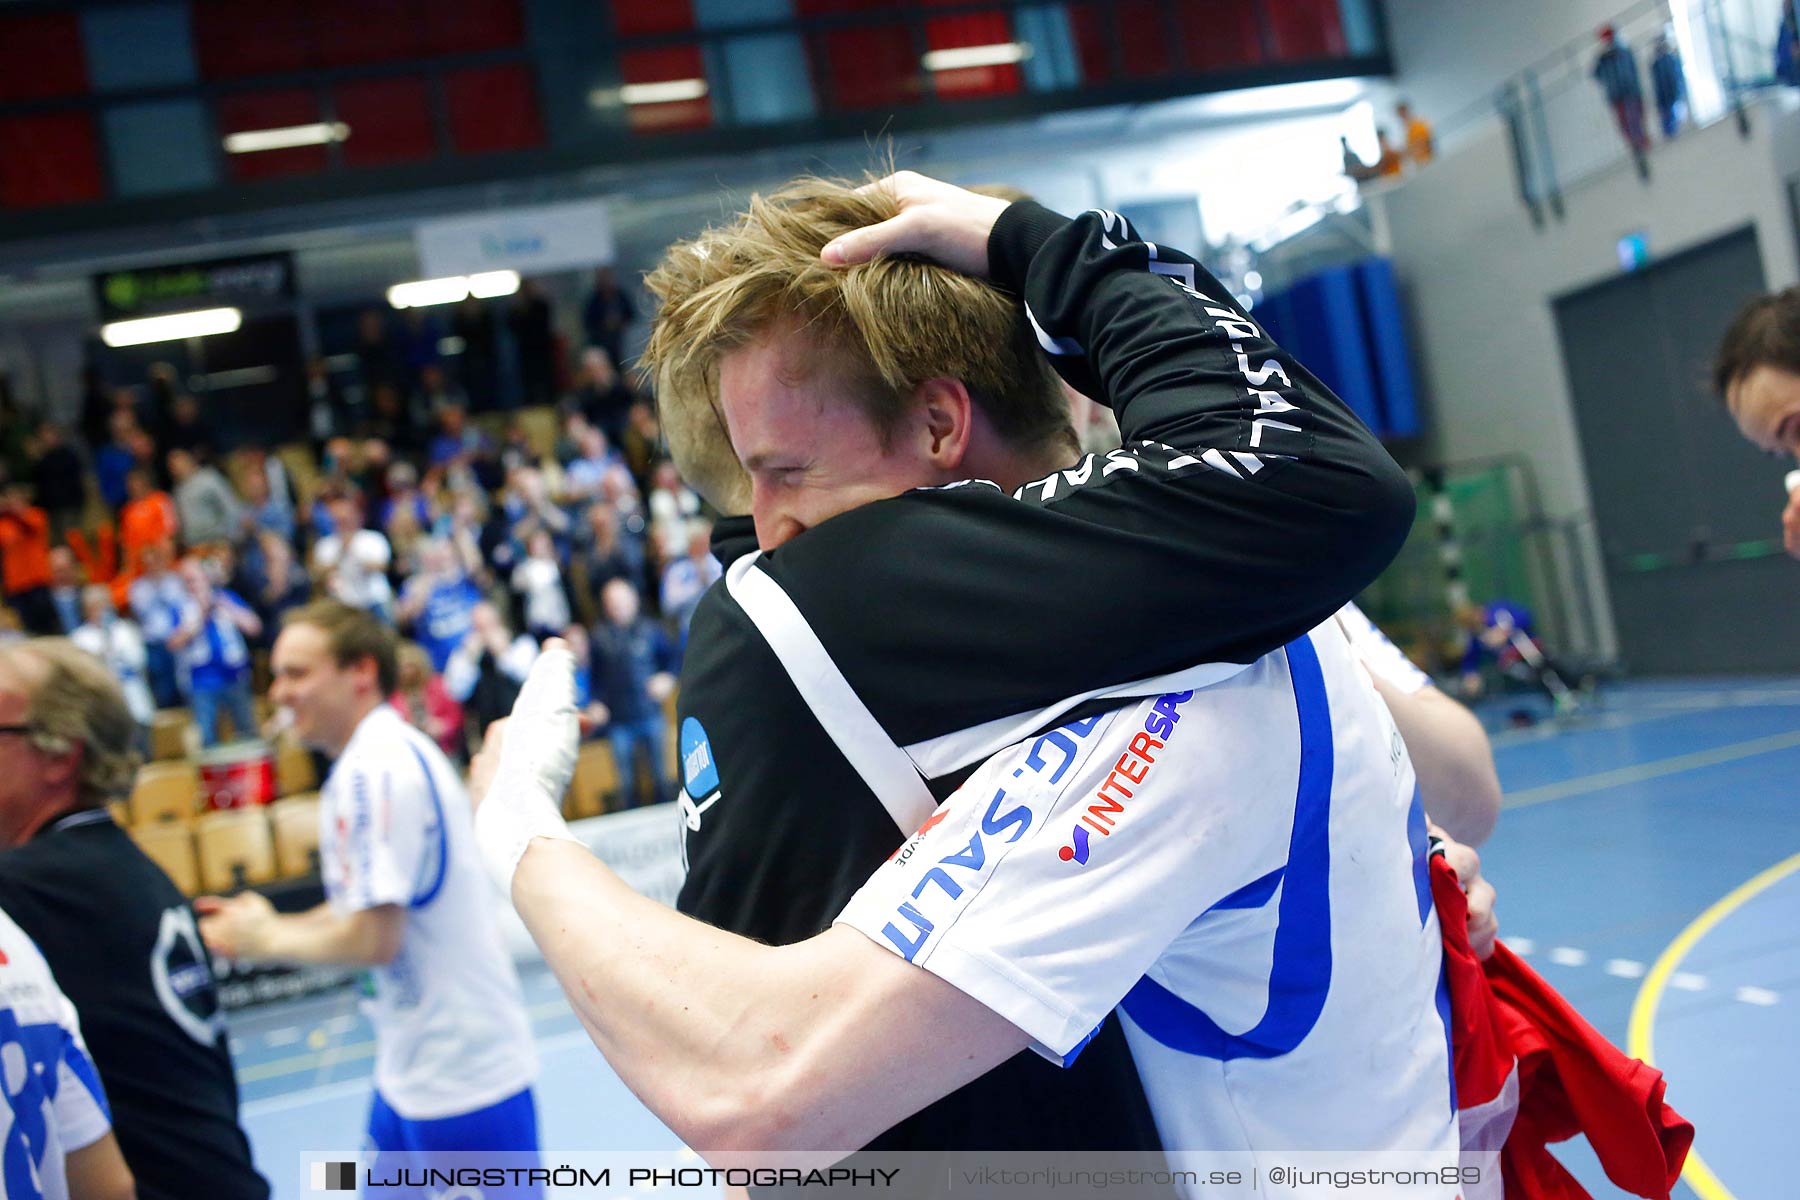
{"x": 119, "y": 937}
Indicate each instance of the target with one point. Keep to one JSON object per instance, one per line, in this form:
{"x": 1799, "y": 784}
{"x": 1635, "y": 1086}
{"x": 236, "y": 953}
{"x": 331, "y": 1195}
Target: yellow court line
{"x": 1640, "y": 1037}
{"x": 1656, "y": 768}
{"x": 305, "y": 1062}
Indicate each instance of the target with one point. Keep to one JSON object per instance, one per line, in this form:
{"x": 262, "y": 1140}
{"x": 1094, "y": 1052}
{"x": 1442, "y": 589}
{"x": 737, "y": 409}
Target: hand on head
{"x": 938, "y": 220}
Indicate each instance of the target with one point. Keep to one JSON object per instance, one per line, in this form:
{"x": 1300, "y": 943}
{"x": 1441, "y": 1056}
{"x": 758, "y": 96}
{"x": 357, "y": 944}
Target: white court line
{"x": 312, "y": 1095}
{"x": 1583, "y": 785}
{"x": 1755, "y": 995}
{"x": 1687, "y": 981}
{"x": 282, "y": 1037}
{"x": 1568, "y": 956}
{"x": 1625, "y": 968}
{"x": 351, "y": 1087}
{"x": 1521, "y": 946}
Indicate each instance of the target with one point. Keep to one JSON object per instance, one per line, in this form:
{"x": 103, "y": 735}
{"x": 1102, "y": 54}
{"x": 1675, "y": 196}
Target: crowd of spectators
{"x": 477, "y": 529}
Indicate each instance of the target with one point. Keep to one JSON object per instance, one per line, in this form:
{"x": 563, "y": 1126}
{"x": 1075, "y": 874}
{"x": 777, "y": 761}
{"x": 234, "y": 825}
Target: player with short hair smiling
{"x": 454, "y": 1059}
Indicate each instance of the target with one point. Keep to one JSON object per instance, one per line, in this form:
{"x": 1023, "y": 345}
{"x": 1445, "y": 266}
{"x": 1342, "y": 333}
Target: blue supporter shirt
{"x": 446, "y": 619}
{"x": 219, "y": 658}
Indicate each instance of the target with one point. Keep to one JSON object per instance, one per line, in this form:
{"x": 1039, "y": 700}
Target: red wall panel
{"x": 370, "y": 31}
{"x": 50, "y": 159}
{"x": 1220, "y": 33}
{"x": 972, "y": 29}
{"x": 469, "y": 26}
{"x": 493, "y": 108}
{"x": 1306, "y": 29}
{"x": 272, "y": 110}
{"x": 41, "y": 56}
{"x": 1088, "y": 26}
{"x": 661, "y": 65}
{"x": 823, "y": 8}
{"x": 1143, "y": 38}
{"x": 234, "y": 40}
{"x": 646, "y": 18}
{"x": 389, "y": 120}
{"x": 872, "y": 66}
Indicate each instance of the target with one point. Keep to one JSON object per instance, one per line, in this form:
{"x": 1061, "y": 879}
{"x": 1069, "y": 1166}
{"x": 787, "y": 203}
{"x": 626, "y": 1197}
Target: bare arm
{"x": 1454, "y": 762}
{"x": 98, "y": 1172}
{"x": 809, "y": 1050}
{"x": 247, "y": 927}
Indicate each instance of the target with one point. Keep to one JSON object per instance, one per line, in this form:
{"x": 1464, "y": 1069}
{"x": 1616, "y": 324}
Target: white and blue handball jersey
{"x": 54, "y": 1103}
{"x": 395, "y": 827}
{"x": 1242, "y": 871}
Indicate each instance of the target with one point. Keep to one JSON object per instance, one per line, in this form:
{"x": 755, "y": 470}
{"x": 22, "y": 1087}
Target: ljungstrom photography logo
{"x": 334, "y": 1177}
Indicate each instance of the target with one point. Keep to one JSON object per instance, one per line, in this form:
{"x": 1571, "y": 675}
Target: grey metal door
{"x": 1688, "y": 513}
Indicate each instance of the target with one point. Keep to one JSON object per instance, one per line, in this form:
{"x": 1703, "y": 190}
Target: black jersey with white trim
{"x": 835, "y": 689}
{"x": 124, "y": 946}
{"x": 1246, "y": 505}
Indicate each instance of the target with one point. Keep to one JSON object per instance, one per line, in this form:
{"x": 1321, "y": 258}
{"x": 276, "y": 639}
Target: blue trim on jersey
{"x": 1443, "y": 1009}
{"x": 1419, "y": 838}
{"x": 1254, "y": 894}
{"x": 1075, "y": 1051}
{"x": 443, "y": 847}
{"x": 1300, "y": 974}
{"x": 362, "y": 822}
{"x": 46, "y": 1048}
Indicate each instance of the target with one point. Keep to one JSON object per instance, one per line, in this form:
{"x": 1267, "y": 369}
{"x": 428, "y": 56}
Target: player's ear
{"x": 944, "y": 415}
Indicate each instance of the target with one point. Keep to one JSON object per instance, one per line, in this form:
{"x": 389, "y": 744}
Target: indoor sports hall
{"x": 349, "y": 358}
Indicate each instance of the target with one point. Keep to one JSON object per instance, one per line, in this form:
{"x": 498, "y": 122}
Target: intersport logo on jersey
{"x": 1129, "y": 773}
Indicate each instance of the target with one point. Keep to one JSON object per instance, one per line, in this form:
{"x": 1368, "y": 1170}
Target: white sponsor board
{"x": 548, "y": 237}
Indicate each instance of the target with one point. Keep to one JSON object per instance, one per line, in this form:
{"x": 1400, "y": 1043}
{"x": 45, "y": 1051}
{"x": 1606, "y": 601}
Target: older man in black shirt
{"x": 118, "y": 935}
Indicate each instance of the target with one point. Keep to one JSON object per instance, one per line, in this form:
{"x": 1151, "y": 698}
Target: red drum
{"x": 237, "y": 775}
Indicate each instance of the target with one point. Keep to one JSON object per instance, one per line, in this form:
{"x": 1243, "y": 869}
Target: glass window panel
{"x": 141, "y": 46}
{"x": 767, "y": 79}
{"x": 160, "y": 146}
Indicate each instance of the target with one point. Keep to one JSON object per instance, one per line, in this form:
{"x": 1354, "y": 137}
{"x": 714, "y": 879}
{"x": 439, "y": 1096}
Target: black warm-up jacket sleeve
{"x": 1246, "y": 506}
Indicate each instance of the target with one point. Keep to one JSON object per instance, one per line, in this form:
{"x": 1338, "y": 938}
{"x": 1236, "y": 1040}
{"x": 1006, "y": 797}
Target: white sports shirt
{"x": 1241, "y": 871}
{"x": 358, "y": 568}
{"x": 1384, "y": 660}
{"x": 54, "y": 1103}
{"x": 395, "y": 827}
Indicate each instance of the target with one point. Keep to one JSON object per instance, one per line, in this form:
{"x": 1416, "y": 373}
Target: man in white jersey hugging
{"x": 404, "y": 897}
{"x": 1238, "y": 865}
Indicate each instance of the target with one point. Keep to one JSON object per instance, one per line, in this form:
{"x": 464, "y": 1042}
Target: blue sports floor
{"x": 1648, "y": 859}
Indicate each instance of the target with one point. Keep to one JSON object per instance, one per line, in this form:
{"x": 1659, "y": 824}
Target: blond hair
{"x": 895, "y": 322}
{"x": 78, "y": 703}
